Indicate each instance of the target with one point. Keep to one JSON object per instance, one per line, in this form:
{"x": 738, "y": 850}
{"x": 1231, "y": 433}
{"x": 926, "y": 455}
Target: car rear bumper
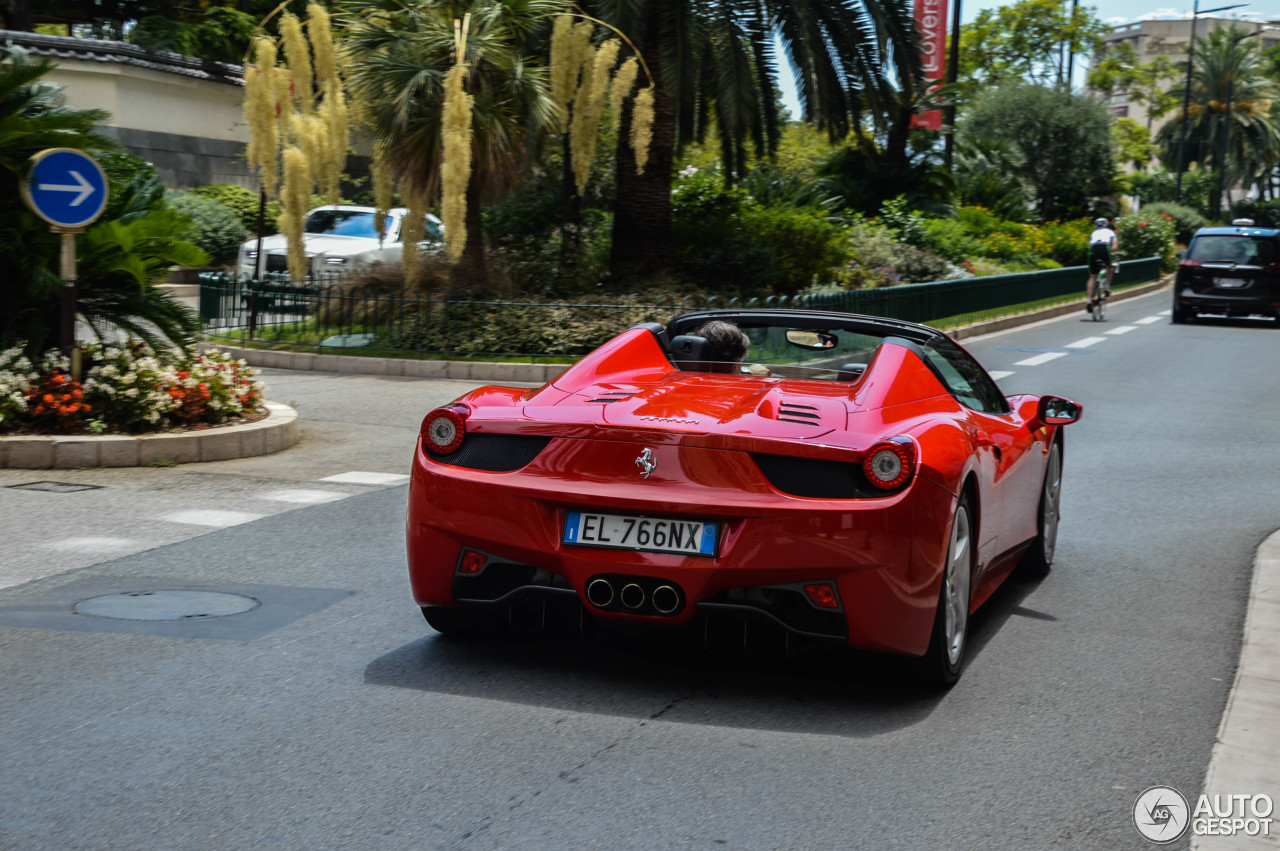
{"x": 884, "y": 556}
{"x": 1229, "y": 304}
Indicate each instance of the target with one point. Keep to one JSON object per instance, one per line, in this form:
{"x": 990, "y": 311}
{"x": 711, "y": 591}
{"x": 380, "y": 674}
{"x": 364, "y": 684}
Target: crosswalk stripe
{"x": 1123, "y": 329}
{"x": 1086, "y": 342}
{"x": 1148, "y": 320}
{"x": 364, "y": 478}
{"x": 211, "y": 517}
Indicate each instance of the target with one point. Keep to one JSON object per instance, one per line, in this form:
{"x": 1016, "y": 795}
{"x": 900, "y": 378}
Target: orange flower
{"x": 87, "y": 407}
{"x": 48, "y": 398}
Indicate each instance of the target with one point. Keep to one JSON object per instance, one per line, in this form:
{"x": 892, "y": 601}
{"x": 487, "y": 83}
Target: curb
{"x": 1246, "y": 755}
{"x": 277, "y": 432}
{"x": 541, "y": 373}
{"x": 1004, "y": 323}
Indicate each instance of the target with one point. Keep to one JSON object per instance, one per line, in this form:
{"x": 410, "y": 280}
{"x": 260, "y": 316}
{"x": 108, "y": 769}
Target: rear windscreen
{"x": 1231, "y": 249}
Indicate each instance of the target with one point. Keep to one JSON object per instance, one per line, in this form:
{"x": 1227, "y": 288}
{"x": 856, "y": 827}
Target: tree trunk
{"x": 471, "y": 271}
{"x": 642, "y": 245}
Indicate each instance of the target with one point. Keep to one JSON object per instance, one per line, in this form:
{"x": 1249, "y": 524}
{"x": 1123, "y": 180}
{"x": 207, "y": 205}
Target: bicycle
{"x": 1098, "y": 307}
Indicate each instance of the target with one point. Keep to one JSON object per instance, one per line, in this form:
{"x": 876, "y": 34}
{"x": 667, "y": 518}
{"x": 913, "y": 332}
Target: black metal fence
{"x": 326, "y": 314}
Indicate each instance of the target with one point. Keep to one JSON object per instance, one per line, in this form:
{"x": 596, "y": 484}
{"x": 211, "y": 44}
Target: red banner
{"x": 931, "y": 20}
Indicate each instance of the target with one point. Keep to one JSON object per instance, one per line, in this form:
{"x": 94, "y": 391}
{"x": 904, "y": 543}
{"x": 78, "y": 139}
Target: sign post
{"x": 68, "y": 189}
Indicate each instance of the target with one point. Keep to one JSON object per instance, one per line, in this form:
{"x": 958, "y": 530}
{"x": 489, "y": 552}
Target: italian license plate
{"x": 687, "y": 537}
{"x": 1229, "y": 282}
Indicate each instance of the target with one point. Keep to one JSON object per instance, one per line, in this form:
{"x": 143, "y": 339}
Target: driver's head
{"x": 728, "y": 345}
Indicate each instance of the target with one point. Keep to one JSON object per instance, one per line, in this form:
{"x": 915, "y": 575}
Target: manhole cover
{"x": 166, "y": 605}
{"x": 56, "y": 487}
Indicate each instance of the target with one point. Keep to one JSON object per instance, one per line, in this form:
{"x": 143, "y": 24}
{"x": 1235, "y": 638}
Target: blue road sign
{"x": 67, "y": 188}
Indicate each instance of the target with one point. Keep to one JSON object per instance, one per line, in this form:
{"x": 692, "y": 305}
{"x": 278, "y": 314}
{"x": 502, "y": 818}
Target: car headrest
{"x": 851, "y": 372}
{"x": 688, "y": 348}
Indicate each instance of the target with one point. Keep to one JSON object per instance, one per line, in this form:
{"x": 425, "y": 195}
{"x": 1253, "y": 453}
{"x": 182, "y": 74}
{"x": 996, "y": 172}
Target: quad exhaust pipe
{"x": 624, "y": 593}
{"x": 600, "y": 593}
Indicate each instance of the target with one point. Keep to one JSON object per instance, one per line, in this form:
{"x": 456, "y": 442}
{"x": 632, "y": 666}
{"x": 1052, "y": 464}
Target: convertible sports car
{"x": 854, "y": 479}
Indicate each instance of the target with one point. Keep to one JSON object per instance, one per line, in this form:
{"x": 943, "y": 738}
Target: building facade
{"x": 1170, "y": 38}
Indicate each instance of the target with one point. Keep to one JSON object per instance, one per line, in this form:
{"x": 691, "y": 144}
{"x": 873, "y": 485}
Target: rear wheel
{"x": 1038, "y": 559}
{"x": 1181, "y": 315}
{"x": 943, "y": 661}
{"x": 460, "y": 623}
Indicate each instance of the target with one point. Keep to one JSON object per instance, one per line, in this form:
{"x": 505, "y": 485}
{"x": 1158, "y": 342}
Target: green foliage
{"x": 726, "y": 240}
{"x": 877, "y": 259}
{"x": 1147, "y": 234}
{"x": 1133, "y": 142}
{"x": 1068, "y": 241}
{"x": 1186, "y": 220}
{"x": 1265, "y": 214}
{"x": 1119, "y": 70}
{"x": 222, "y": 34}
{"x": 215, "y": 228}
{"x": 1198, "y": 187}
{"x": 905, "y": 224}
{"x": 859, "y": 178}
{"x": 244, "y": 203}
{"x": 1023, "y": 41}
{"x": 949, "y": 238}
{"x": 1056, "y": 143}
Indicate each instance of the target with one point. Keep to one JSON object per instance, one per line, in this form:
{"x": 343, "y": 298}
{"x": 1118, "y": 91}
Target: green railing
{"x": 328, "y": 315}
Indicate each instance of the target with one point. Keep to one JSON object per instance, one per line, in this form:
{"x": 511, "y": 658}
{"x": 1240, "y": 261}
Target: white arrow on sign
{"x": 84, "y": 187}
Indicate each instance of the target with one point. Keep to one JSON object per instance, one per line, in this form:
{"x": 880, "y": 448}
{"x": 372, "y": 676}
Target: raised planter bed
{"x": 276, "y": 432}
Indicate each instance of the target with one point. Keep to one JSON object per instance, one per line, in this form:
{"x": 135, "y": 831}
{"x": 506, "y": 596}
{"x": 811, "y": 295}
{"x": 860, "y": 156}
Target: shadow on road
{"x": 825, "y": 691}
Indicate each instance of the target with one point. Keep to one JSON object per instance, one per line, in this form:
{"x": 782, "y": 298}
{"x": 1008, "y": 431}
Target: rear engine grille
{"x": 793, "y": 412}
{"x": 813, "y": 477}
{"x": 494, "y": 453}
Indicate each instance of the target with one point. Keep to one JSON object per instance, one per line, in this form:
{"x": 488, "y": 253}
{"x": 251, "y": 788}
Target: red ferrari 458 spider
{"x": 823, "y": 475}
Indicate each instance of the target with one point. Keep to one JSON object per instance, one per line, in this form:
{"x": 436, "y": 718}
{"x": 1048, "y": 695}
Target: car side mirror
{"x": 1054, "y": 410}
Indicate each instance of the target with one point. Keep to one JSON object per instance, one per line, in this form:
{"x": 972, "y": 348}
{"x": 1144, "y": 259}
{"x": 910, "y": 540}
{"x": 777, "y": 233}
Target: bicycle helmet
{"x": 1101, "y": 223}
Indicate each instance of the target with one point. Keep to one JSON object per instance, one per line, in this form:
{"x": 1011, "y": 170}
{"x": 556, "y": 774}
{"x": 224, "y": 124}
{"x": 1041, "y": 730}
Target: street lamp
{"x": 1186, "y": 95}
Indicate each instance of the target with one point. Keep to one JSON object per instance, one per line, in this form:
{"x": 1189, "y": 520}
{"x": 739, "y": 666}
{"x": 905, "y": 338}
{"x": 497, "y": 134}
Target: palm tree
{"x": 118, "y": 259}
{"x": 1227, "y": 70}
{"x": 405, "y": 49}
{"x": 716, "y": 61}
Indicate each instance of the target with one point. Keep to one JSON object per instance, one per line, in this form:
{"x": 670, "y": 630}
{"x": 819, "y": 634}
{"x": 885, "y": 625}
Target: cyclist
{"x": 1102, "y": 246}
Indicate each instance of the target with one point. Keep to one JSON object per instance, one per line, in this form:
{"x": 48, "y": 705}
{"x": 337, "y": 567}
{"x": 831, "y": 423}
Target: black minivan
{"x": 1229, "y": 271}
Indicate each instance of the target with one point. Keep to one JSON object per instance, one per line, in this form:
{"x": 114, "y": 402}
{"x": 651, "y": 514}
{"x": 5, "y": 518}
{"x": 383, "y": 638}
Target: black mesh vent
{"x": 813, "y": 477}
{"x": 792, "y": 412}
{"x": 496, "y": 453}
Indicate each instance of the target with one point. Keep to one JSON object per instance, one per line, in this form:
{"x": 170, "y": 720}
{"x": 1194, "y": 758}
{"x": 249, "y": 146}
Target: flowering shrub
{"x": 56, "y": 403}
{"x": 1147, "y": 235}
{"x": 126, "y": 388}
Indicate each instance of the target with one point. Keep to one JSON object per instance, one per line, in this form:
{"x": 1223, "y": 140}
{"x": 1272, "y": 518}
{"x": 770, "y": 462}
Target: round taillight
{"x": 890, "y": 464}
{"x": 443, "y": 429}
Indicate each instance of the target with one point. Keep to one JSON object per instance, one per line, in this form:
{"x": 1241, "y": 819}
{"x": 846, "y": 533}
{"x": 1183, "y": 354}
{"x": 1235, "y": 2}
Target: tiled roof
{"x": 123, "y": 53}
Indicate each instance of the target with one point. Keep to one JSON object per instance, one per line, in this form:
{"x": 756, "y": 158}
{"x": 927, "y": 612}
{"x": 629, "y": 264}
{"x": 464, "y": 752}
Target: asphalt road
{"x": 338, "y": 719}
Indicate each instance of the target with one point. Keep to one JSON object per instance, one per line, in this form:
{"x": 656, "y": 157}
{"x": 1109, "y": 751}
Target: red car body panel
{"x": 884, "y": 554}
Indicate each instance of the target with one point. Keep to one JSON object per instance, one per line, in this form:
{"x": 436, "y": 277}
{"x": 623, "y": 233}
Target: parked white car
{"x": 338, "y": 238}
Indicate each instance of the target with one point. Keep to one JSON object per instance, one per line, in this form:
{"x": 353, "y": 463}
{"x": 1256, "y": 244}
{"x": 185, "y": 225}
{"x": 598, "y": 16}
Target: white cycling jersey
{"x": 1102, "y": 236}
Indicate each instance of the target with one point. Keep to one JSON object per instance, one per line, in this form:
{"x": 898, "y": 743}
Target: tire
{"x": 1181, "y": 316}
{"x": 1038, "y": 559}
{"x": 459, "y": 623}
{"x": 943, "y": 661}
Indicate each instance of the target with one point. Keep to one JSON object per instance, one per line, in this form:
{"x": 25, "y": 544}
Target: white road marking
{"x": 207, "y": 517}
{"x": 304, "y": 497}
{"x": 1123, "y": 329}
{"x": 1148, "y": 320}
{"x": 362, "y": 478}
{"x": 1165, "y": 312}
{"x": 1086, "y": 342}
{"x": 999, "y": 374}
{"x": 94, "y": 545}
{"x": 1042, "y": 358}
